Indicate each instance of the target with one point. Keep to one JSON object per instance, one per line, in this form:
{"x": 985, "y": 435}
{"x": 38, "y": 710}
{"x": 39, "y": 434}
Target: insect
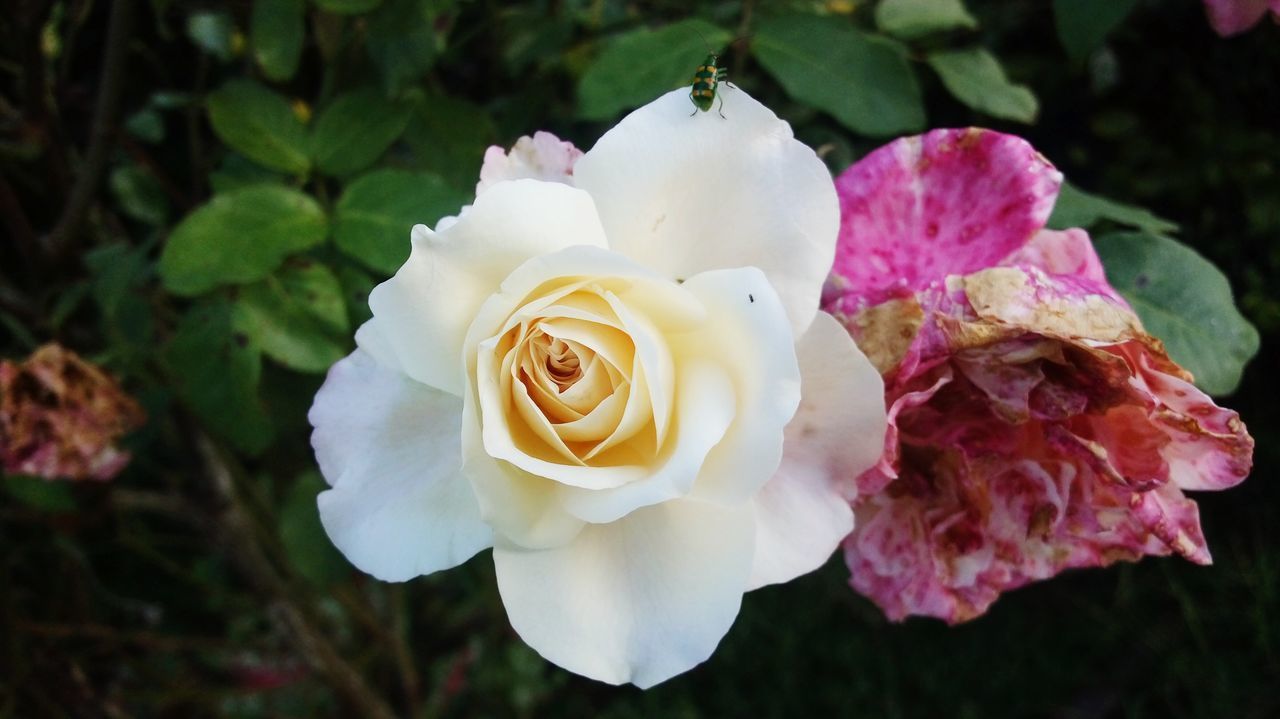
{"x": 705, "y": 80}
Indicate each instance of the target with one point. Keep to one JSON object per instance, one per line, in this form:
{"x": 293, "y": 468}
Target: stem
{"x": 61, "y": 240}
{"x": 236, "y": 534}
{"x": 150, "y": 640}
{"x": 15, "y": 220}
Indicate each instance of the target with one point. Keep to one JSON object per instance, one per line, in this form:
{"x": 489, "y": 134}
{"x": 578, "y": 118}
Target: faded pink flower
{"x": 541, "y": 157}
{"x": 1232, "y": 17}
{"x": 1034, "y": 425}
{"x": 60, "y": 417}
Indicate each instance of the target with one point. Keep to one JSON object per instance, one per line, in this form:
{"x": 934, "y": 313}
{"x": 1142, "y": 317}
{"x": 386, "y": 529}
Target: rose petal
{"x": 399, "y": 507}
{"x": 424, "y": 310}
{"x": 721, "y": 193}
{"x": 1210, "y": 448}
{"x": 838, "y": 431}
{"x": 541, "y": 157}
{"x": 1065, "y": 252}
{"x": 639, "y": 600}
{"x": 705, "y": 408}
{"x": 1232, "y": 17}
{"x": 947, "y": 202}
{"x": 1174, "y": 520}
{"x": 748, "y": 335}
{"x": 1059, "y": 306}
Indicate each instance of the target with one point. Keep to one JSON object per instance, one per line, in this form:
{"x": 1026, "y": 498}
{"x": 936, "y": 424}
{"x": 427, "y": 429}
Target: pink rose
{"x": 1232, "y": 17}
{"x": 1034, "y": 426}
{"x": 60, "y": 417}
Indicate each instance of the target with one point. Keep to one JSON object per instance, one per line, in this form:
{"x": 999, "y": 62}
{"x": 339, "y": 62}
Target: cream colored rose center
{"x": 573, "y": 381}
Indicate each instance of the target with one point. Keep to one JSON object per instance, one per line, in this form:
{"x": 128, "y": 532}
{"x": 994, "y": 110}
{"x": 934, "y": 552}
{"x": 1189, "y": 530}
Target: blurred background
{"x": 198, "y": 581}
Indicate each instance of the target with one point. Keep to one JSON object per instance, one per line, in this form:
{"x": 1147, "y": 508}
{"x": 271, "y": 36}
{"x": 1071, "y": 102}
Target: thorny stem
{"x": 61, "y": 240}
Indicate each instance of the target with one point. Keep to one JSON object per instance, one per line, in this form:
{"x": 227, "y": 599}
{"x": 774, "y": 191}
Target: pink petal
{"x": 1174, "y": 520}
{"x": 947, "y": 202}
{"x": 541, "y": 157}
{"x": 1034, "y": 427}
{"x": 1059, "y": 306}
{"x": 1210, "y": 447}
{"x": 1060, "y": 252}
{"x": 877, "y": 477}
{"x": 1231, "y": 17}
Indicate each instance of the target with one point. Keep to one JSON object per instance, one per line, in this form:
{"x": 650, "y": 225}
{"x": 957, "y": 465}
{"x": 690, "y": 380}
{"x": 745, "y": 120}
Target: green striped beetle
{"x": 705, "y": 80}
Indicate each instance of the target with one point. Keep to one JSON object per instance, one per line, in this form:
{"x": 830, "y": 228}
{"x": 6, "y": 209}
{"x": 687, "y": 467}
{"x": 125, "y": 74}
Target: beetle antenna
{"x": 704, "y": 39}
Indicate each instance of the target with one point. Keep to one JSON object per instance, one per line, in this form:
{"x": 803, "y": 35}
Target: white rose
{"x": 599, "y": 378}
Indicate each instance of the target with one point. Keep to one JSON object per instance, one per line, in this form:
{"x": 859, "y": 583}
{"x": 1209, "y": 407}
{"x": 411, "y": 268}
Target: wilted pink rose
{"x": 60, "y": 417}
{"x": 1231, "y": 17}
{"x": 1033, "y": 424}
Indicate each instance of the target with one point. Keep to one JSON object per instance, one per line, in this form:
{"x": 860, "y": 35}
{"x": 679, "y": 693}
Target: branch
{"x": 236, "y": 534}
{"x": 60, "y": 240}
{"x": 15, "y": 220}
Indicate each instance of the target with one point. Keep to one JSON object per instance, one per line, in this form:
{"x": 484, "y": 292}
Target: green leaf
{"x": 211, "y": 32}
{"x": 238, "y": 237}
{"x": 1186, "y": 302}
{"x": 297, "y": 316}
{"x": 259, "y": 124}
{"x": 235, "y": 171}
{"x": 449, "y": 136}
{"x": 215, "y": 369}
{"x": 1084, "y": 24}
{"x": 121, "y": 274}
{"x": 863, "y": 81}
{"x": 375, "y": 215}
{"x": 146, "y": 125}
{"x": 355, "y": 130}
{"x": 38, "y": 493}
{"x": 1077, "y": 208}
{"x": 910, "y": 19}
{"x": 975, "y": 77}
{"x": 305, "y": 542}
{"x": 348, "y": 7}
{"x": 139, "y": 195}
{"x": 639, "y": 65}
{"x": 276, "y": 30}
{"x": 401, "y": 40}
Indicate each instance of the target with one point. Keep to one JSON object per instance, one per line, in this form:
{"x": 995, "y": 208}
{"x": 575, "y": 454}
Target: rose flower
{"x": 60, "y": 417}
{"x": 1232, "y": 17}
{"x": 1034, "y": 425}
{"x": 612, "y": 370}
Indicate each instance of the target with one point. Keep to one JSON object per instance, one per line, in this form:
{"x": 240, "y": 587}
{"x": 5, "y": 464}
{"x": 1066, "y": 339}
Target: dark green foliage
{"x": 263, "y": 171}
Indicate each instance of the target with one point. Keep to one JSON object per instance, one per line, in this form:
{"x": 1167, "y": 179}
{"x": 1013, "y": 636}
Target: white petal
{"x": 687, "y": 194}
{"x": 524, "y": 509}
{"x": 389, "y": 446}
{"x": 425, "y": 309}
{"x": 705, "y": 408}
{"x": 803, "y": 512}
{"x": 639, "y": 600}
{"x": 749, "y": 337}
{"x": 371, "y": 339}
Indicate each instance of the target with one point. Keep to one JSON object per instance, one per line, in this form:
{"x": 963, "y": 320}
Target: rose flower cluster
{"x": 685, "y": 364}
